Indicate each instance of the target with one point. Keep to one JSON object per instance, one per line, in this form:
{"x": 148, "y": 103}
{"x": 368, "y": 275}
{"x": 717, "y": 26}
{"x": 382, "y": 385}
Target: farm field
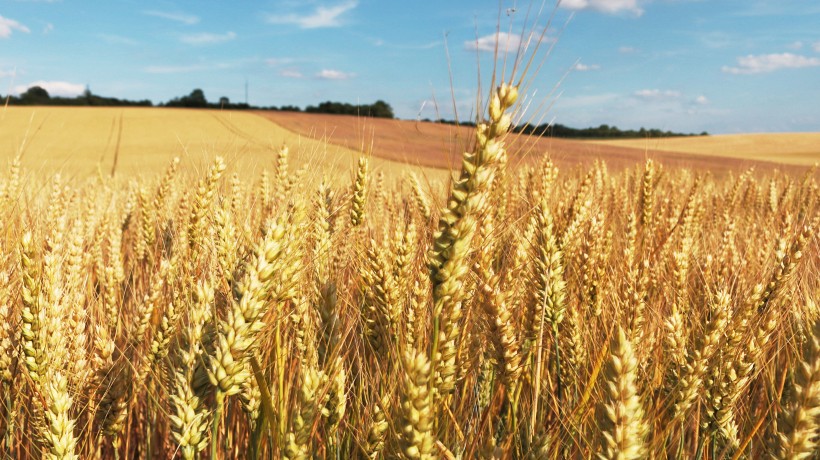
{"x": 88, "y": 141}
{"x": 142, "y": 141}
{"x": 527, "y": 311}
{"x": 440, "y": 145}
{"x": 791, "y": 148}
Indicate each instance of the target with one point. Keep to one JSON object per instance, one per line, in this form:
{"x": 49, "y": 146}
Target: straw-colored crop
{"x": 511, "y": 311}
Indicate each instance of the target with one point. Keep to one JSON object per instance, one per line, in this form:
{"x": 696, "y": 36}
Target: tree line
{"x": 37, "y": 95}
{"x": 600, "y": 132}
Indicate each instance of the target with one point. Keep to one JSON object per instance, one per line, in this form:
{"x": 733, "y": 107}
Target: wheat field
{"x": 790, "y": 148}
{"x": 82, "y": 142}
{"x": 512, "y": 313}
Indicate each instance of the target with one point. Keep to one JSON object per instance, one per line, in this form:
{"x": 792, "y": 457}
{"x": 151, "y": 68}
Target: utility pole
{"x": 246, "y": 91}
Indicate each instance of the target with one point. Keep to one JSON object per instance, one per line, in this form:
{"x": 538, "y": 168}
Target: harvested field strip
{"x": 441, "y": 145}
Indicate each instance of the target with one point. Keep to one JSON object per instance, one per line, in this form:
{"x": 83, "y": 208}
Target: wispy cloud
{"x": 702, "y": 100}
{"x": 581, "y": 67}
{"x": 764, "y": 63}
{"x": 48, "y": 28}
{"x": 321, "y": 16}
{"x": 206, "y": 38}
{"x": 605, "y": 6}
{"x": 188, "y": 19}
{"x": 657, "y": 94}
{"x": 506, "y": 42}
{"x": 8, "y": 73}
{"x": 7, "y": 26}
{"x": 627, "y": 50}
{"x": 331, "y": 74}
{"x": 291, "y": 73}
{"x": 54, "y": 88}
{"x": 795, "y": 45}
{"x": 816, "y": 47}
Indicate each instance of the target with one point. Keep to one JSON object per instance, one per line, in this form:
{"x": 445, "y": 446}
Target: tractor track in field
{"x": 111, "y": 131}
{"x": 117, "y": 145}
{"x": 233, "y": 129}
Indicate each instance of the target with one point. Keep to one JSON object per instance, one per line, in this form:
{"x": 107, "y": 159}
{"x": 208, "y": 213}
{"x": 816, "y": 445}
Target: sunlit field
{"x": 208, "y": 284}
{"x": 789, "y": 148}
{"x": 522, "y": 311}
{"x": 127, "y": 142}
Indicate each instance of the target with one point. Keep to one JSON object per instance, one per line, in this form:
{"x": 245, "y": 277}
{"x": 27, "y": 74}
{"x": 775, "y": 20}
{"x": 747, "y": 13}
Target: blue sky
{"x": 721, "y": 66}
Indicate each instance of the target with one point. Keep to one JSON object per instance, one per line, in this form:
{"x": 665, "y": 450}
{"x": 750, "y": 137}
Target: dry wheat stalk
{"x": 622, "y": 415}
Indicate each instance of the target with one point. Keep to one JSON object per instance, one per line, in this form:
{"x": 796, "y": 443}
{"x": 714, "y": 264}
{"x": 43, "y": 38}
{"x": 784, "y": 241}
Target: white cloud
{"x": 507, "y": 43}
{"x": 701, "y": 100}
{"x": 322, "y": 16}
{"x": 795, "y": 45}
{"x": 188, "y": 19}
{"x": 7, "y": 26}
{"x": 764, "y": 63}
{"x": 816, "y": 47}
{"x": 581, "y": 67}
{"x": 330, "y": 74}
{"x": 605, "y": 6}
{"x": 291, "y": 73}
{"x": 657, "y": 94}
{"x": 54, "y": 88}
{"x": 48, "y": 28}
{"x": 206, "y": 38}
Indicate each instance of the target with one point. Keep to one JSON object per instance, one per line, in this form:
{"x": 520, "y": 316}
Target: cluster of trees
{"x": 378, "y": 109}
{"x": 37, "y": 95}
{"x": 197, "y": 100}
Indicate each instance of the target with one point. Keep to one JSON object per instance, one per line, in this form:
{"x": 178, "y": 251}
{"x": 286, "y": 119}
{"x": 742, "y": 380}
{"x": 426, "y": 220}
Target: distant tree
{"x": 224, "y": 102}
{"x": 381, "y": 109}
{"x": 35, "y": 93}
{"x": 196, "y": 99}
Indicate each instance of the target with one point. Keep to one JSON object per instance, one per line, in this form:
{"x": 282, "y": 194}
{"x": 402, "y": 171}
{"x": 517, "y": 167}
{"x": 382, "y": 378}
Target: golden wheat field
{"x": 513, "y": 313}
{"x": 790, "y": 148}
{"x": 128, "y": 142}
